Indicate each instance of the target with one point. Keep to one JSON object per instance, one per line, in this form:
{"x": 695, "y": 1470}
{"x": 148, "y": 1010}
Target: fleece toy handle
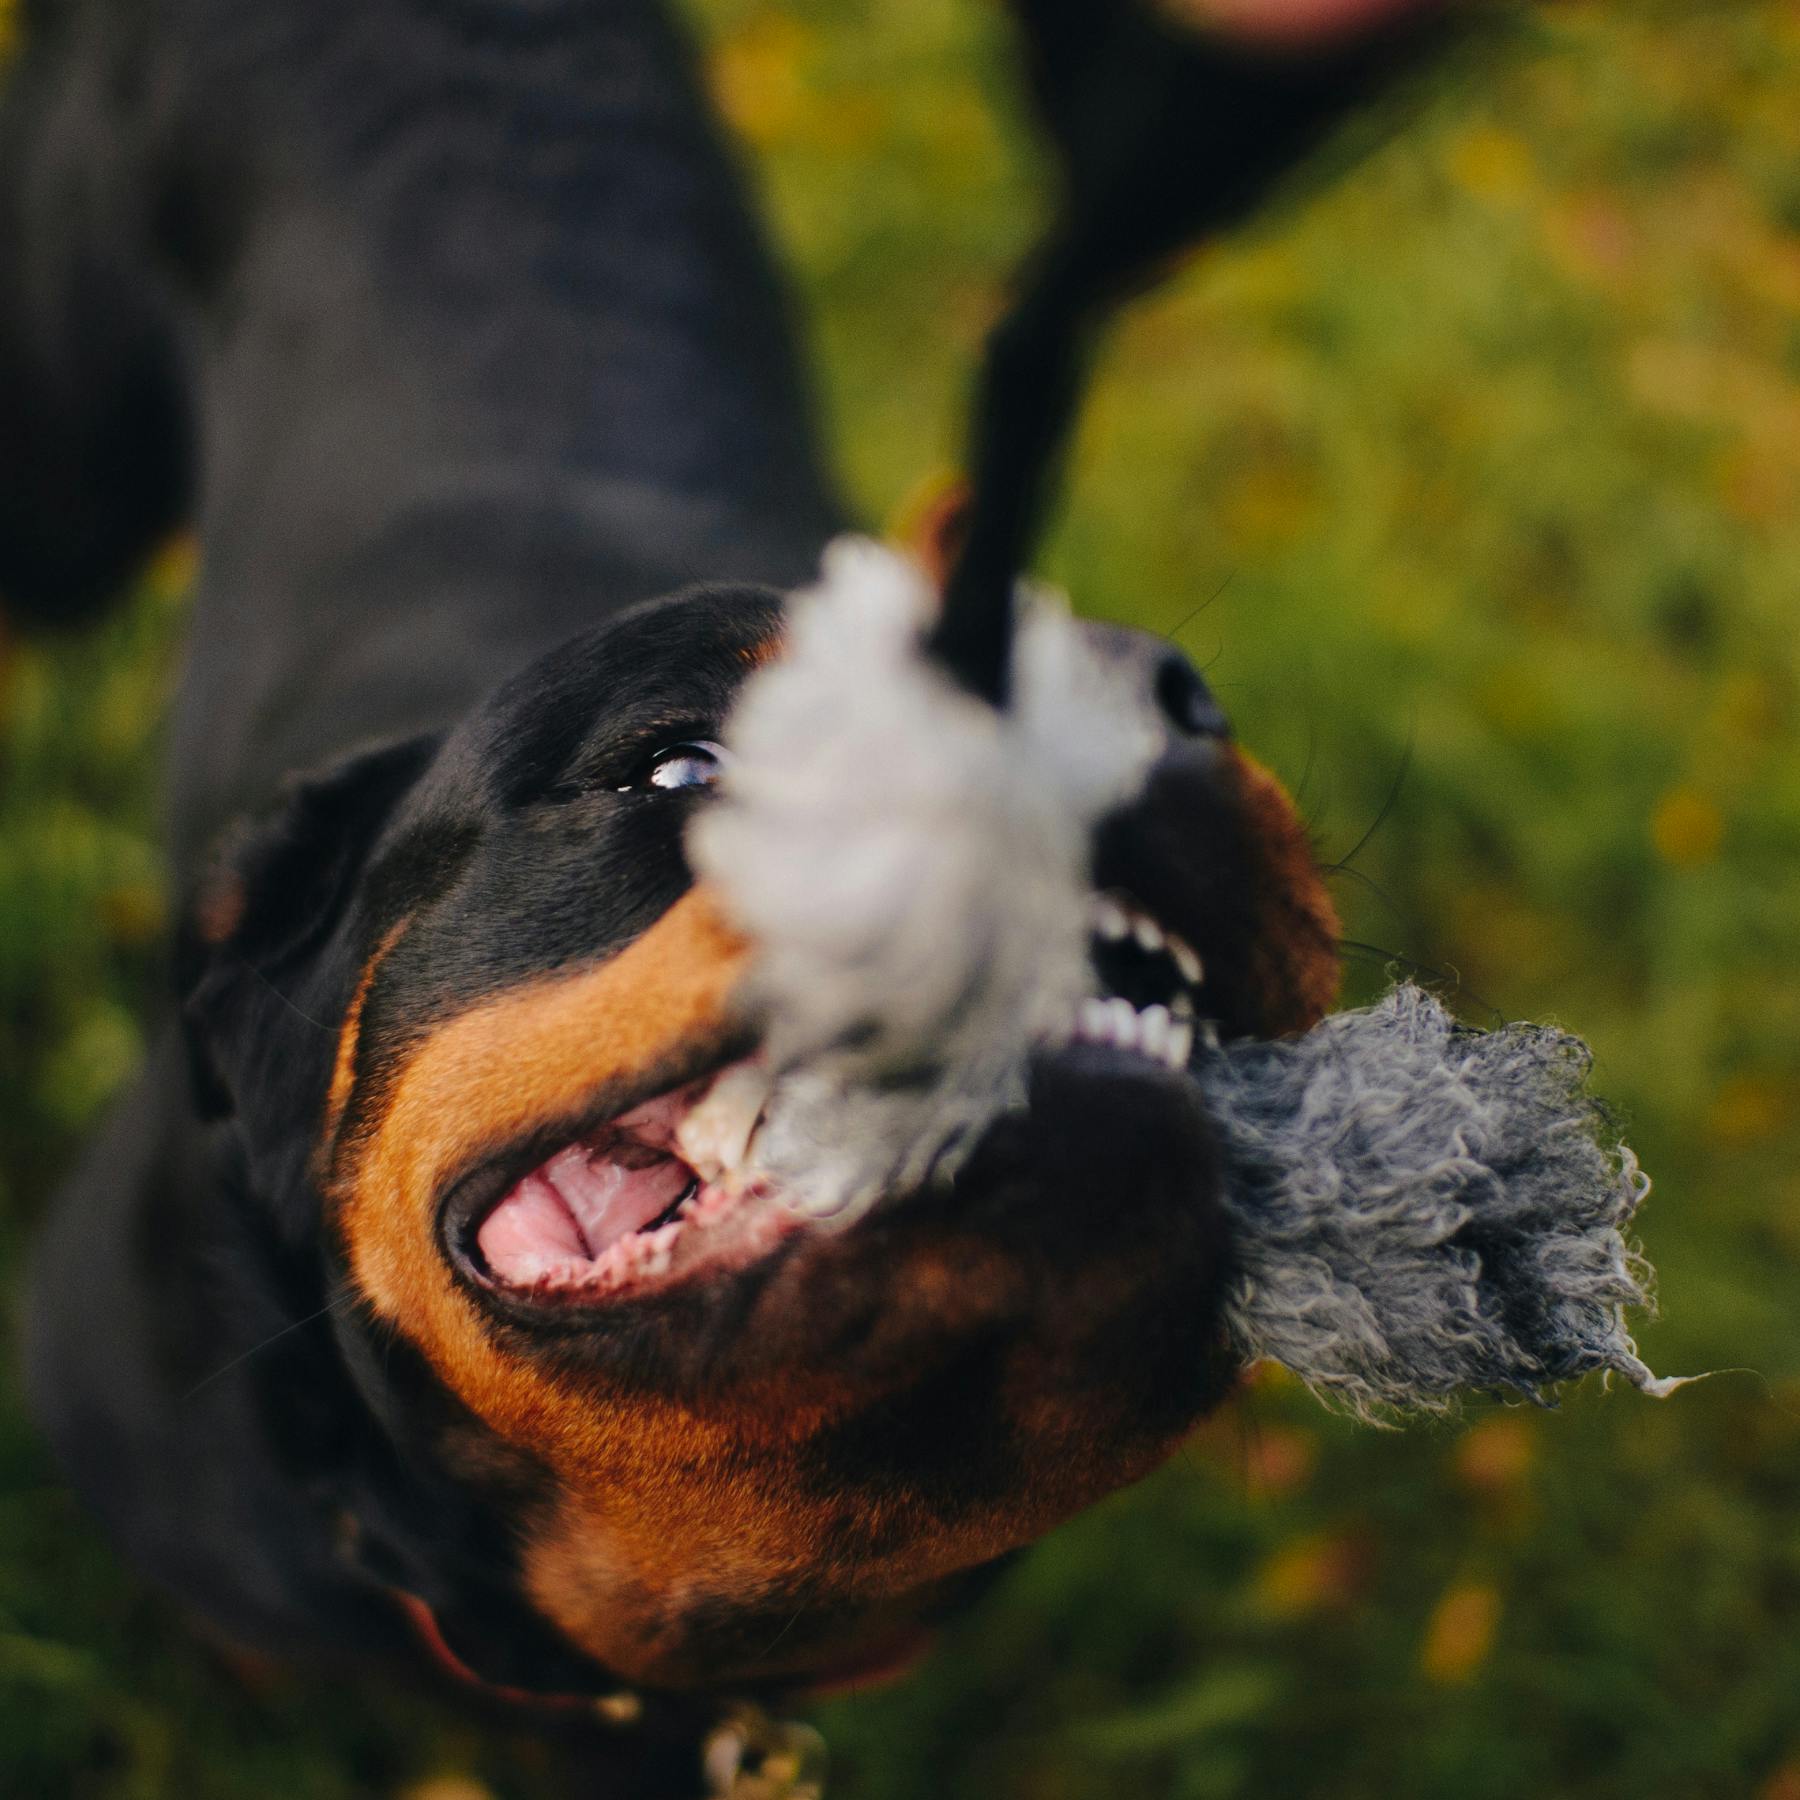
{"x": 1165, "y": 137}
{"x": 1030, "y": 388}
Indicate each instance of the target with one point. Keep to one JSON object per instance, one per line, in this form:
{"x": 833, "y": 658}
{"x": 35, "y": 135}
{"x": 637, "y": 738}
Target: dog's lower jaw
{"x": 904, "y": 1401}
{"x": 788, "y": 1632}
{"x": 745, "y": 1567}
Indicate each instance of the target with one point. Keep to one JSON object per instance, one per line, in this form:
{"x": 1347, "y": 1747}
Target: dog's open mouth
{"x": 671, "y": 1186}
{"x": 1153, "y": 985}
{"x": 602, "y": 1209}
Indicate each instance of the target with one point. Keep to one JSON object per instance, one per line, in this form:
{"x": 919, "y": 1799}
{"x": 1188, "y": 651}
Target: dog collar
{"x": 747, "y": 1754}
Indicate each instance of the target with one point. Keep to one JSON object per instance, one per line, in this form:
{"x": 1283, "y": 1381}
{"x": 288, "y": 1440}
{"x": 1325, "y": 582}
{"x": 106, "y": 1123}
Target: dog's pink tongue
{"x": 556, "y": 1224}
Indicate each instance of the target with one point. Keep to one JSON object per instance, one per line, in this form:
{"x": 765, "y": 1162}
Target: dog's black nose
{"x": 1185, "y": 700}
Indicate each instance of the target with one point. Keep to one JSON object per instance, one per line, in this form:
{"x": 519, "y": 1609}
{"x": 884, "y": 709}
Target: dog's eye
{"x": 687, "y": 765}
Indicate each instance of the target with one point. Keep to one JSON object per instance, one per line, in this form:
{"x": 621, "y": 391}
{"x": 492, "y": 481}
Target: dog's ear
{"x": 266, "y": 953}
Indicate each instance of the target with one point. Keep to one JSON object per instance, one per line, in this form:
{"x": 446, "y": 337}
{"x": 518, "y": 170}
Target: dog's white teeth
{"x": 1158, "y": 1033}
{"x": 1094, "y": 1022}
{"x": 1115, "y": 921}
{"x": 1153, "y": 1030}
{"x": 1111, "y": 921}
{"x": 1182, "y": 1007}
{"x": 1148, "y": 933}
{"x": 1187, "y": 960}
{"x": 1124, "y": 1021}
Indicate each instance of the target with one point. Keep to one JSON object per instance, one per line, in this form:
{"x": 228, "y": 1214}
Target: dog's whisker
{"x": 1205, "y": 605}
{"x": 344, "y": 1299}
{"x": 1368, "y": 882}
{"x": 1439, "y": 975}
{"x": 262, "y": 980}
{"x": 1401, "y": 771}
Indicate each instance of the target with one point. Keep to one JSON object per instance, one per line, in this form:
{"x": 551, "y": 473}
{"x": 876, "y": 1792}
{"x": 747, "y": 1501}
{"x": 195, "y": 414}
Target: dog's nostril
{"x": 1185, "y": 699}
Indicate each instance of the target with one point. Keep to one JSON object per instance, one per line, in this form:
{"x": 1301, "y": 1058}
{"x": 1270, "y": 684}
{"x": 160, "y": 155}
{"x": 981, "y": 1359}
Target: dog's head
{"x": 712, "y": 1442}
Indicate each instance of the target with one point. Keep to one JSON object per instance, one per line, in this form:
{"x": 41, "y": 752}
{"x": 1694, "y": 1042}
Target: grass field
{"x": 1474, "y": 480}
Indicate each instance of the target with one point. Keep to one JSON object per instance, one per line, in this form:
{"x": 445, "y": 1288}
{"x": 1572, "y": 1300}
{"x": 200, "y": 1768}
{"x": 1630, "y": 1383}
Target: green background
{"x": 1473, "y": 479}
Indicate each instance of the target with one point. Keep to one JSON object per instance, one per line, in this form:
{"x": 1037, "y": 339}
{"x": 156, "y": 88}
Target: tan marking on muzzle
{"x": 1294, "y": 966}
{"x": 343, "y": 1067}
{"x": 494, "y": 1074}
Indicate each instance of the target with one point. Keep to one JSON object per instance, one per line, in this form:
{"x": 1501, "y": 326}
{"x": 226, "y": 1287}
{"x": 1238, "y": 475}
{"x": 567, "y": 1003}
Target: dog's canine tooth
{"x": 1181, "y": 1045}
{"x": 1111, "y": 922}
{"x": 1148, "y": 933}
{"x": 1153, "y": 1030}
{"x": 1187, "y": 960}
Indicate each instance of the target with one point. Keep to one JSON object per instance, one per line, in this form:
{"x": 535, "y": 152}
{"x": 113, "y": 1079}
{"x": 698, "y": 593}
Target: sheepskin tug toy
{"x": 1419, "y": 1210}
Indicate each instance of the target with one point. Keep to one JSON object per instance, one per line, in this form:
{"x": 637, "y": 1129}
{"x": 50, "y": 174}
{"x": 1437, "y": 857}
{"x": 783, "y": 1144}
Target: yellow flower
{"x": 176, "y": 564}
{"x": 1496, "y": 1454}
{"x": 757, "y": 79}
{"x": 447, "y": 1787}
{"x": 1460, "y": 1632}
{"x": 1277, "y": 1459}
{"x": 1686, "y": 828}
{"x": 134, "y": 912}
{"x": 1493, "y": 165}
{"x": 1784, "y": 1784}
{"x": 1748, "y": 1109}
{"x": 1309, "y": 1574}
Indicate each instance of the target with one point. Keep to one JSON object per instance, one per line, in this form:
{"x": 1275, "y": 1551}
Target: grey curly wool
{"x": 1419, "y": 1209}
{"x": 1423, "y": 1209}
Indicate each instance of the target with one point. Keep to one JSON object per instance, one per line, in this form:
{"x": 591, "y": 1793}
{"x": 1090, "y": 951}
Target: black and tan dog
{"x": 445, "y": 322}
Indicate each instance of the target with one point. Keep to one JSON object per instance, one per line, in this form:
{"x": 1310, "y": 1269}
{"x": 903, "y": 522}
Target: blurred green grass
{"x": 1475, "y": 482}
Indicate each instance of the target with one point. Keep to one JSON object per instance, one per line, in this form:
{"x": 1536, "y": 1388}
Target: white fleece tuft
{"x": 913, "y": 867}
